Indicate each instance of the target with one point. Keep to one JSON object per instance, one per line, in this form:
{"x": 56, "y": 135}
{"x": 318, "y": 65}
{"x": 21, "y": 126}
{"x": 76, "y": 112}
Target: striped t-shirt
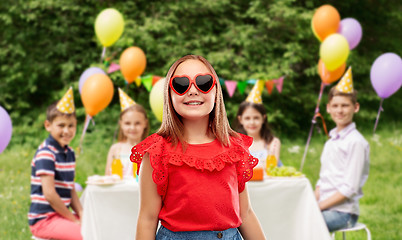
{"x": 51, "y": 159}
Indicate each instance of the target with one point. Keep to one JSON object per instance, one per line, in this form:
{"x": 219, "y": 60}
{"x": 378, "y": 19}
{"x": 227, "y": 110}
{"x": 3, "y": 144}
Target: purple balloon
{"x": 78, "y": 187}
{"x": 350, "y": 28}
{"x": 6, "y": 129}
{"x": 386, "y": 74}
{"x": 86, "y": 74}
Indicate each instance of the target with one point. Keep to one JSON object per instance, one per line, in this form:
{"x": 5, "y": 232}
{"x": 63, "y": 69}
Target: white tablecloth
{"x": 110, "y": 212}
{"x": 287, "y": 209}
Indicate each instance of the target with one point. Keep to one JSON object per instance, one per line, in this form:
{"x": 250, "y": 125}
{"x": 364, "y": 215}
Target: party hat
{"x": 255, "y": 95}
{"x": 345, "y": 85}
{"x": 125, "y": 100}
{"x": 66, "y": 104}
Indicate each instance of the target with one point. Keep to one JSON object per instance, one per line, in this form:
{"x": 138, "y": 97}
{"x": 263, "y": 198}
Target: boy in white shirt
{"x": 344, "y": 160}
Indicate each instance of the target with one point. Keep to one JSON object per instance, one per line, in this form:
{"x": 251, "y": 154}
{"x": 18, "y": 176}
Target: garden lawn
{"x": 381, "y": 205}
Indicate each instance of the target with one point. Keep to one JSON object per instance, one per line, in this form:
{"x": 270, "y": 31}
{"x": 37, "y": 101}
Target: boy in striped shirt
{"x": 52, "y": 177}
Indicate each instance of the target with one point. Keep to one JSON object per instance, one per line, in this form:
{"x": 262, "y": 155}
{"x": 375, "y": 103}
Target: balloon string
{"x": 313, "y": 121}
{"x": 84, "y": 130}
{"x": 323, "y": 123}
{"x": 380, "y": 109}
{"x": 103, "y": 54}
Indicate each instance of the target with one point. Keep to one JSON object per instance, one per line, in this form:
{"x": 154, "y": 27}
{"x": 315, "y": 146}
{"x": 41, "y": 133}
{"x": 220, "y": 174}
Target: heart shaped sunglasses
{"x": 204, "y": 82}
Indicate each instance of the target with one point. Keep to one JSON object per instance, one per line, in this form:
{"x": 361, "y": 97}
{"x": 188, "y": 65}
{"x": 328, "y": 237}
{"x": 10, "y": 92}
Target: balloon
{"x": 350, "y": 28}
{"x": 386, "y": 74}
{"x": 328, "y": 77}
{"x": 132, "y": 63}
{"x": 86, "y": 74}
{"x": 156, "y": 99}
{"x": 78, "y": 187}
{"x": 6, "y": 129}
{"x": 109, "y": 26}
{"x": 334, "y": 51}
{"x": 97, "y": 93}
{"x": 315, "y": 33}
{"x": 325, "y": 21}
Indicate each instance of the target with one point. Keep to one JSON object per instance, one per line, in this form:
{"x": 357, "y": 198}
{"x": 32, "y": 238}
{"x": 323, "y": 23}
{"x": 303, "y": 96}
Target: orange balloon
{"x": 327, "y": 76}
{"x": 97, "y": 93}
{"x": 132, "y": 63}
{"x": 325, "y": 21}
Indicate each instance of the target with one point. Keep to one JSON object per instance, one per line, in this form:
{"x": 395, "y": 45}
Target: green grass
{"x": 381, "y": 206}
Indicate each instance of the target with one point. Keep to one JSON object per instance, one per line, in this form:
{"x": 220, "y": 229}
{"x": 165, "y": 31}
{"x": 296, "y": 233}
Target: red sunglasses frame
{"x": 192, "y": 81}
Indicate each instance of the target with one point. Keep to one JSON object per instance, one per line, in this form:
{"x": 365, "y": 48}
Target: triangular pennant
{"x": 221, "y": 81}
{"x": 66, "y": 103}
{"x": 113, "y": 68}
{"x": 241, "y": 85}
{"x": 346, "y": 83}
{"x": 147, "y": 82}
{"x": 230, "y": 87}
{"x": 125, "y": 100}
{"x": 138, "y": 81}
{"x": 155, "y": 79}
{"x": 279, "y": 83}
{"x": 255, "y": 94}
{"x": 269, "y": 84}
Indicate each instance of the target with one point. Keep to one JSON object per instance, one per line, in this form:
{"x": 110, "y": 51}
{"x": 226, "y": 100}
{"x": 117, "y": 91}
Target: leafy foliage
{"x": 45, "y": 45}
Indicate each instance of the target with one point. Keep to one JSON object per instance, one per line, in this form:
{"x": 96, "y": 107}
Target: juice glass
{"x": 271, "y": 161}
{"x": 117, "y": 167}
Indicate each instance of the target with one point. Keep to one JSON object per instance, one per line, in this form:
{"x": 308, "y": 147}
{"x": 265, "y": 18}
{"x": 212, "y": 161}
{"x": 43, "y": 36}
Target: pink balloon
{"x": 386, "y": 74}
{"x": 350, "y": 28}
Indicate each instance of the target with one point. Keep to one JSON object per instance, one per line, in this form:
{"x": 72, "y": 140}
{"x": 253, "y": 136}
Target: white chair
{"x": 357, "y": 227}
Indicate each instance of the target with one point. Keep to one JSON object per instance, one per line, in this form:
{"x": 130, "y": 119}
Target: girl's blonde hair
{"x": 135, "y": 108}
{"x": 172, "y": 127}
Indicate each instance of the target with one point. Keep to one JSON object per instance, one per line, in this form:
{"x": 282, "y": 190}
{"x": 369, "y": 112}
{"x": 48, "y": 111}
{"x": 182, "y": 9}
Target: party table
{"x": 110, "y": 211}
{"x": 287, "y": 209}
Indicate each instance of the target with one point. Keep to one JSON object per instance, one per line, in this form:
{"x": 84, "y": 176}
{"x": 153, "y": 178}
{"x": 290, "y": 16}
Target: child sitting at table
{"x": 252, "y": 120}
{"x": 52, "y": 177}
{"x": 133, "y": 128}
{"x": 344, "y": 160}
{"x": 193, "y": 171}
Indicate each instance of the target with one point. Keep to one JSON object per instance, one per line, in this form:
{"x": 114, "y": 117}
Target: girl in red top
{"x": 194, "y": 169}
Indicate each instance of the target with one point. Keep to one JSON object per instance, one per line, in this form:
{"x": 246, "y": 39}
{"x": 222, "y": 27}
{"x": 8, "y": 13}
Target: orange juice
{"x": 117, "y": 167}
{"x": 270, "y": 161}
{"x": 257, "y": 174}
{"x": 135, "y": 170}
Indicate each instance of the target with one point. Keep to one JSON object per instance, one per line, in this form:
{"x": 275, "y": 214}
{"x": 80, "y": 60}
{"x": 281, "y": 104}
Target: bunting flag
{"x": 269, "y": 84}
{"x": 241, "y": 86}
{"x": 230, "y": 87}
{"x": 113, "y": 68}
{"x": 138, "y": 81}
{"x": 155, "y": 79}
{"x": 147, "y": 82}
{"x": 279, "y": 83}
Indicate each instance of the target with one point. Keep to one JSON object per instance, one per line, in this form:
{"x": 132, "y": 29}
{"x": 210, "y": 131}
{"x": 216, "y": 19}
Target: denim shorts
{"x": 337, "y": 220}
{"x": 229, "y": 234}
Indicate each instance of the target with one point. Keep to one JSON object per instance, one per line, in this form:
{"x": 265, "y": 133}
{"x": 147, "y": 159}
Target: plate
{"x": 285, "y": 177}
{"x": 102, "y": 183}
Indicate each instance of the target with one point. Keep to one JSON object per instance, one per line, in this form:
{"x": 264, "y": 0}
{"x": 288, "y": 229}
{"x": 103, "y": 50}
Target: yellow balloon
{"x": 334, "y": 51}
{"x": 109, "y": 26}
{"x": 156, "y": 99}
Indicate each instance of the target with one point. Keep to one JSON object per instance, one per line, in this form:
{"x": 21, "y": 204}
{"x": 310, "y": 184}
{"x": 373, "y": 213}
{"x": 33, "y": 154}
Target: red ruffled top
{"x": 199, "y": 187}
